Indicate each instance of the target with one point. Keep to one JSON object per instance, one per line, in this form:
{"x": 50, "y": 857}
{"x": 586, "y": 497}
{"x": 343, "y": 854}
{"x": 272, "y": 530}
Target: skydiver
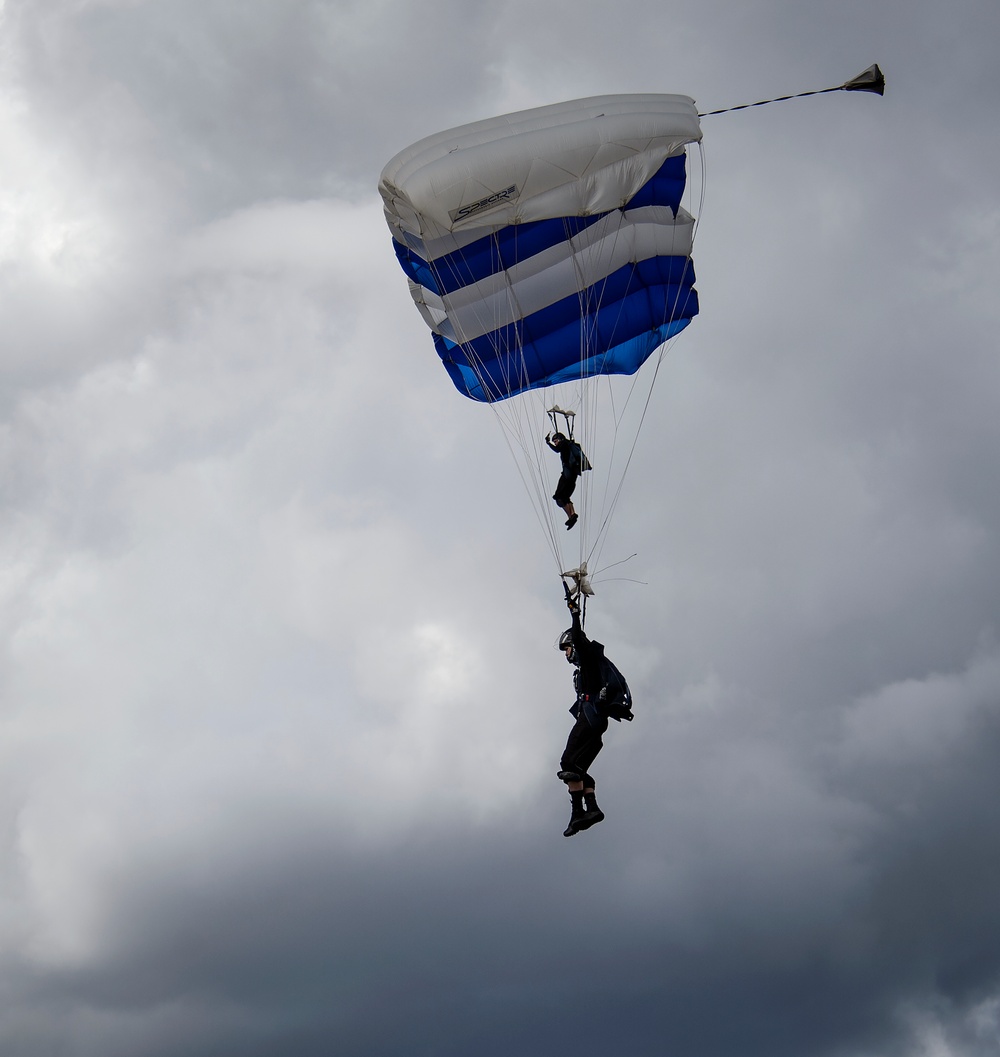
{"x": 574, "y": 462}
{"x": 601, "y": 693}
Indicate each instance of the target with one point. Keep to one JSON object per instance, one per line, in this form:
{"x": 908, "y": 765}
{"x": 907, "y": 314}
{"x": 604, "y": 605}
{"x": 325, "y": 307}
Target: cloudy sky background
{"x": 279, "y": 708}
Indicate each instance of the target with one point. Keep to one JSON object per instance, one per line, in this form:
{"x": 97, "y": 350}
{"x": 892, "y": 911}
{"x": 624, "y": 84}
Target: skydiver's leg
{"x": 564, "y": 489}
{"x": 576, "y": 756}
{"x": 582, "y": 746}
{"x": 569, "y": 508}
{"x": 572, "y": 770}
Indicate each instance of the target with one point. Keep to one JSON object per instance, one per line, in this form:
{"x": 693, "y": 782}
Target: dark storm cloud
{"x": 313, "y": 951}
{"x": 435, "y": 948}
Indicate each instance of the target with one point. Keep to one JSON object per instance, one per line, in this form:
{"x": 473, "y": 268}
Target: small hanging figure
{"x": 574, "y": 462}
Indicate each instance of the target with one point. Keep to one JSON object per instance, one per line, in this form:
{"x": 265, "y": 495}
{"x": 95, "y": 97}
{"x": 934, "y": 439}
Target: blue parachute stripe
{"x": 663, "y": 284}
{"x": 490, "y": 385}
{"x": 416, "y": 268}
{"x": 665, "y": 187}
{"x": 517, "y": 242}
{"x": 489, "y": 255}
{"x": 625, "y": 316}
{"x": 504, "y": 249}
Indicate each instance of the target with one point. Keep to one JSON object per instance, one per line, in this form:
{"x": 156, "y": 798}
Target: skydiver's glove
{"x": 603, "y": 695}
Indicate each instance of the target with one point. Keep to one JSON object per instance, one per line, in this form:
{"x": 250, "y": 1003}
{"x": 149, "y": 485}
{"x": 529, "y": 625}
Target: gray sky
{"x": 279, "y": 708}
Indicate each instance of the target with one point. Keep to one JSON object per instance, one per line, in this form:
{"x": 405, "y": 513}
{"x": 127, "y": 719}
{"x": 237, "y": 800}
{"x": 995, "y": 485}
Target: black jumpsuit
{"x": 585, "y": 740}
{"x": 574, "y": 462}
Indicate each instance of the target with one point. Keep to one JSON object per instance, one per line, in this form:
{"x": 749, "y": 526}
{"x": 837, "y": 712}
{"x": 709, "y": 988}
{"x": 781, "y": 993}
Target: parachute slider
{"x": 581, "y": 583}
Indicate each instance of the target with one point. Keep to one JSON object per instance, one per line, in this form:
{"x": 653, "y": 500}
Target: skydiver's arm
{"x": 580, "y": 640}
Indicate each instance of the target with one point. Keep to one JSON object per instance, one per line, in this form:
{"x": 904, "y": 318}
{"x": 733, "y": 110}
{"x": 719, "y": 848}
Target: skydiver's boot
{"x": 592, "y": 813}
{"x": 578, "y": 814}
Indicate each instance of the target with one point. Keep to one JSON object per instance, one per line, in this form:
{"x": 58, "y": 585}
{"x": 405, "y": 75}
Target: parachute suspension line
{"x": 667, "y": 346}
{"x": 611, "y": 497}
{"x": 664, "y": 349}
{"x": 614, "y": 483}
{"x": 523, "y": 439}
{"x": 520, "y": 429}
{"x": 613, "y": 565}
{"x": 537, "y": 460}
{"x": 518, "y": 374}
{"x": 520, "y": 436}
{"x": 870, "y": 80}
{"x": 514, "y": 437}
{"x": 519, "y": 432}
{"x": 610, "y": 506}
{"x": 594, "y": 387}
{"x": 582, "y": 392}
{"x": 697, "y": 214}
{"x": 597, "y": 502}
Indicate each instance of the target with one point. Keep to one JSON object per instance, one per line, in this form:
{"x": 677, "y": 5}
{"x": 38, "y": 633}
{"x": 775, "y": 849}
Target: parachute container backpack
{"x": 549, "y": 252}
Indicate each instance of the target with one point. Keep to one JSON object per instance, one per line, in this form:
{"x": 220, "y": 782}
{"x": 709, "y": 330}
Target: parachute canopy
{"x": 548, "y": 245}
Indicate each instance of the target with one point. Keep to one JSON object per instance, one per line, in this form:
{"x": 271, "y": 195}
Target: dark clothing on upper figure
{"x": 574, "y": 462}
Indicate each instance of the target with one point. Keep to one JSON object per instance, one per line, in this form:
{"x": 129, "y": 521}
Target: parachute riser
{"x": 581, "y": 589}
{"x": 576, "y": 597}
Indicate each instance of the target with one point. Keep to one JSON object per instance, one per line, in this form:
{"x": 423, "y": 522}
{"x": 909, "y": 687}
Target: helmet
{"x": 566, "y": 643}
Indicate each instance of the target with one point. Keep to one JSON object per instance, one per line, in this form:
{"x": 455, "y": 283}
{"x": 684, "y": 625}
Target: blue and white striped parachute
{"x": 551, "y": 243}
{"x": 549, "y": 252}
